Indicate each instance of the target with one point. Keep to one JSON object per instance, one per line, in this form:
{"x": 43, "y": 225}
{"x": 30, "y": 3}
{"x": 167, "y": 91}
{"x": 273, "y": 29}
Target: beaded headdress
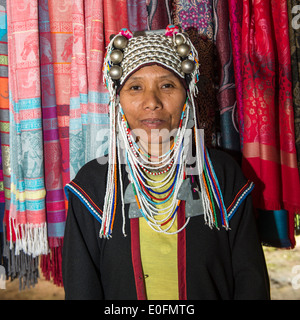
{"x": 126, "y": 53}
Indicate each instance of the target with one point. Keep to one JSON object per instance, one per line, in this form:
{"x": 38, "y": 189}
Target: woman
{"x": 163, "y": 218}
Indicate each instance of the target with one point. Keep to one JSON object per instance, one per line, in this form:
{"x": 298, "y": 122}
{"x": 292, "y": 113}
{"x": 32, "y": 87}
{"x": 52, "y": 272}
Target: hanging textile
{"x": 61, "y": 41}
{"x": 159, "y": 14}
{"x": 269, "y": 155}
{"x": 196, "y": 14}
{"x": 27, "y": 219}
{"x": 137, "y": 15}
{"x": 4, "y": 127}
{"x": 21, "y": 265}
{"x": 26, "y": 227}
{"x": 236, "y": 17}
{"x": 93, "y": 22}
{"x": 226, "y": 94}
{"x": 196, "y": 18}
{"x": 294, "y": 33}
{"x": 55, "y": 204}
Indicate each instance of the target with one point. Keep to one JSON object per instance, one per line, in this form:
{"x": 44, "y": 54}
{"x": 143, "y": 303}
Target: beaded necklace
{"x": 170, "y": 169}
{"x": 169, "y": 166}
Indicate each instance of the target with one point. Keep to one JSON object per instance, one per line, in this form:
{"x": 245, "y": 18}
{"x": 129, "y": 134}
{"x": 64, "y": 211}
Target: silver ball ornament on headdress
{"x": 115, "y": 72}
{"x": 179, "y": 39}
{"x": 116, "y": 56}
{"x": 183, "y": 50}
{"x": 188, "y": 66}
{"x": 120, "y": 42}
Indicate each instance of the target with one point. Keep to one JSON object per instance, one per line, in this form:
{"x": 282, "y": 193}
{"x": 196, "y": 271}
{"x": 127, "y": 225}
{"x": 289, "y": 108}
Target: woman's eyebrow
{"x": 166, "y": 76}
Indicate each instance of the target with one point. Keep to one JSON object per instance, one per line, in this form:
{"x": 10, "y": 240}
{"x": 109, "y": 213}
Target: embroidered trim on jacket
{"x": 85, "y": 199}
{"x": 239, "y": 198}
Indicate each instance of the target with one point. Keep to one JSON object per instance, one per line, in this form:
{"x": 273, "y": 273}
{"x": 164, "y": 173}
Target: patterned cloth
{"x": 236, "y": 16}
{"x": 89, "y": 99}
{"x": 55, "y": 202}
{"x": 137, "y": 15}
{"x": 295, "y": 60}
{"x": 269, "y": 138}
{"x": 4, "y": 127}
{"x": 196, "y": 14}
{"x": 196, "y": 18}
{"x": 226, "y": 94}
{"x": 27, "y": 216}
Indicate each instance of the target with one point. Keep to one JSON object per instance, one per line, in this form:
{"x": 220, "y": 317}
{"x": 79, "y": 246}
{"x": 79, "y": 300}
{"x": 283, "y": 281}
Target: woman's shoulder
{"x": 92, "y": 175}
{"x": 89, "y": 186}
{"x": 228, "y": 171}
{"x": 224, "y": 163}
{"x": 234, "y": 186}
{"x": 92, "y": 170}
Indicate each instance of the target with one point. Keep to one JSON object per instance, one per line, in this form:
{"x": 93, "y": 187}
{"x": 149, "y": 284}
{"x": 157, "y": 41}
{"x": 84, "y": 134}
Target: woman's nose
{"x": 152, "y": 100}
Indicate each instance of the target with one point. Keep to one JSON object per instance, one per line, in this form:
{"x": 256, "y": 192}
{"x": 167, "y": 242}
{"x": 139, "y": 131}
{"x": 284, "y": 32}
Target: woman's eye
{"x": 135, "y": 88}
{"x": 167, "y": 86}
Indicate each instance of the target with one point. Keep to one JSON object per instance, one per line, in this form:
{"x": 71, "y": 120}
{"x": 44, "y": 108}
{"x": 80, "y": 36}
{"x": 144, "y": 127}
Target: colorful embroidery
{"x": 241, "y": 195}
{"x": 97, "y": 212}
{"x": 85, "y": 199}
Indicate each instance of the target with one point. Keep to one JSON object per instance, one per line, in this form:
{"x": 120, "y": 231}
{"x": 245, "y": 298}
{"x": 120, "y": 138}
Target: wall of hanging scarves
{"x": 53, "y": 108}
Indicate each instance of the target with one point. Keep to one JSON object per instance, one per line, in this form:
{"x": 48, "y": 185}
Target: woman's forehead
{"x": 152, "y": 70}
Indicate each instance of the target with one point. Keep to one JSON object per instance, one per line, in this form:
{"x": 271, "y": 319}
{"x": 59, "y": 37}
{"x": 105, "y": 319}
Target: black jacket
{"x": 213, "y": 264}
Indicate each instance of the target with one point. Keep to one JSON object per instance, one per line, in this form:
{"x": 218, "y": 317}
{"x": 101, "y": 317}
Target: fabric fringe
{"x": 22, "y": 266}
{"x": 51, "y": 264}
{"x": 26, "y": 267}
{"x": 31, "y": 239}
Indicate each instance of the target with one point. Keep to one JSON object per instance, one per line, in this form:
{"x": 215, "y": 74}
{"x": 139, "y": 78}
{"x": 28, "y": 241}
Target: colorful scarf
{"x": 89, "y": 134}
{"x": 269, "y": 139}
{"x": 55, "y": 203}
{"x": 27, "y": 216}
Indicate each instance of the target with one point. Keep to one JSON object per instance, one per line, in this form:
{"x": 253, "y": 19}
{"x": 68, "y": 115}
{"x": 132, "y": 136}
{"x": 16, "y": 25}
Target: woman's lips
{"x": 152, "y": 123}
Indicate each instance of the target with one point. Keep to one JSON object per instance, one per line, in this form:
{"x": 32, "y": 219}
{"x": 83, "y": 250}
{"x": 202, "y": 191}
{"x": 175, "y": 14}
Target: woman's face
{"x": 152, "y": 100}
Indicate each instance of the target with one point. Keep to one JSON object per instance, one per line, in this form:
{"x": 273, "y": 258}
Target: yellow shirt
{"x": 159, "y": 256}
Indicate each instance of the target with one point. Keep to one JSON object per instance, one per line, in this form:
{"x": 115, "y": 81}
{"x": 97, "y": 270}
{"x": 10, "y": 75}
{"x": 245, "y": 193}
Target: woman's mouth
{"x": 152, "y": 123}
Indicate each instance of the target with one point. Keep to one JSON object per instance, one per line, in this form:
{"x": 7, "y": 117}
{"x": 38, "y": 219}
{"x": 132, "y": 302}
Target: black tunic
{"x": 218, "y": 263}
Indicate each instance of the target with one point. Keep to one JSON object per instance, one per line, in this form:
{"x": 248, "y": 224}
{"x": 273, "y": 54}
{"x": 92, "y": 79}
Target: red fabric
{"x": 269, "y": 154}
{"x": 181, "y": 249}
{"x": 51, "y": 265}
{"x": 115, "y": 18}
{"x": 136, "y": 259}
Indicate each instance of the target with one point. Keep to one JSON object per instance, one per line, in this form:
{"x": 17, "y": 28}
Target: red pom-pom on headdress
{"x": 171, "y": 30}
{"x": 126, "y": 33}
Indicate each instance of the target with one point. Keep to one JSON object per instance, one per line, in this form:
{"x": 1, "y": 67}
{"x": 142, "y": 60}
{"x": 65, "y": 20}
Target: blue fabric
{"x": 273, "y": 228}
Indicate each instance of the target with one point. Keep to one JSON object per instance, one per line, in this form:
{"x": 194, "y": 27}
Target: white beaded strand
{"x": 149, "y": 209}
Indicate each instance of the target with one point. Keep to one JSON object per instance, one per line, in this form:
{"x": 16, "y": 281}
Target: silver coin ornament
{"x": 115, "y": 72}
{"x": 183, "y": 50}
{"x": 188, "y": 66}
{"x": 116, "y": 56}
{"x": 179, "y": 39}
{"x": 120, "y": 42}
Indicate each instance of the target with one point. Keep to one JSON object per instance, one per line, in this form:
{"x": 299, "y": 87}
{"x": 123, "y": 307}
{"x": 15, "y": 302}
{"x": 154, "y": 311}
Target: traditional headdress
{"x": 126, "y": 53}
